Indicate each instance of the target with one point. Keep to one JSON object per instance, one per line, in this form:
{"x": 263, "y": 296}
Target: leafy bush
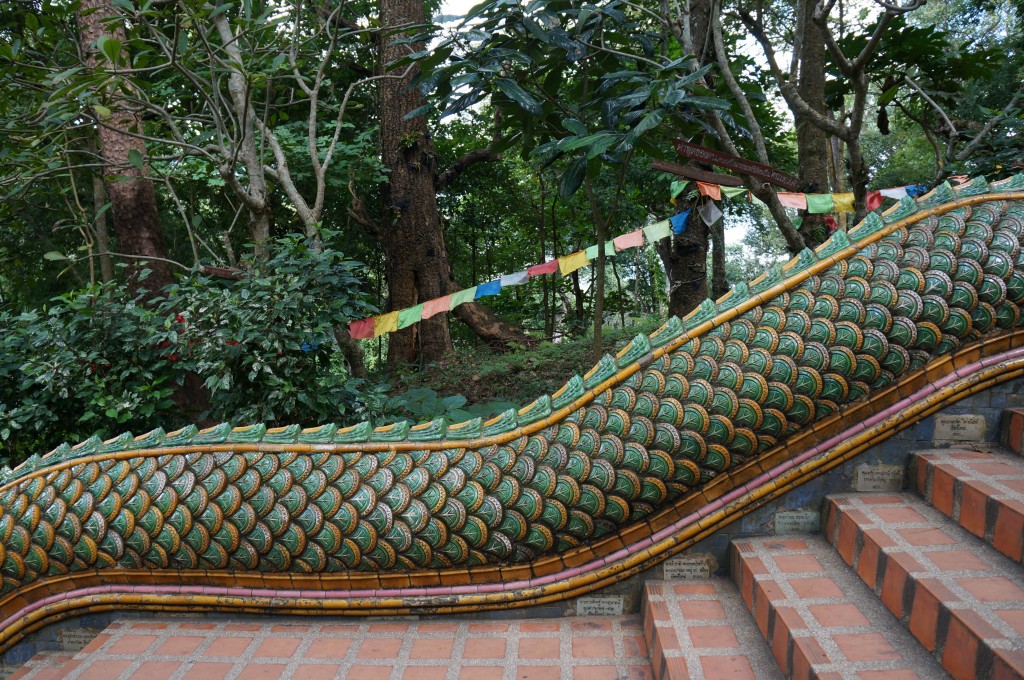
{"x": 99, "y": 361}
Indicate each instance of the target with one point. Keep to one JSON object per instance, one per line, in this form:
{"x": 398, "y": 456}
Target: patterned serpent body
{"x": 638, "y": 432}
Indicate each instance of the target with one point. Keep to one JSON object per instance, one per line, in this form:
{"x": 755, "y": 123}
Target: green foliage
{"x": 98, "y": 361}
{"x": 263, "y": 345}
{"x": 491, "y": 380}
{"x": 585, "y": 86}
{"x": 420, "y": 404}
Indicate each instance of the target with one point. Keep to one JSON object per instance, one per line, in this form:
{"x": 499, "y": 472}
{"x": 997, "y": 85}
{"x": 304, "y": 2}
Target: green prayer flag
{"x": 407, "y": 317}
{"x": 464, "y": 295}
{"x": 658, "y": 231}
{"x": 609, "y": 251}
{"x": 678, "y": 187}
{"x": 819, "y": 203}
{"x": 733, "y": 192}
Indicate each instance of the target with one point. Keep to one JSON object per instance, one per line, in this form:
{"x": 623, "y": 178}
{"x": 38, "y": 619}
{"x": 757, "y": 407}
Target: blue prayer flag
{"x": 489, "y": 288}
{"x": 679, "y": 222}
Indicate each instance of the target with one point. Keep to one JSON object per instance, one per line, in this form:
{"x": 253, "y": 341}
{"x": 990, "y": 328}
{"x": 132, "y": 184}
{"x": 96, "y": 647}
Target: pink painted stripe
{"x": 264, "y": 596}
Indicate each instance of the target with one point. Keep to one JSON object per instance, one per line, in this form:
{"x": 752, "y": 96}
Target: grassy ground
{"x": 482, "y": 375}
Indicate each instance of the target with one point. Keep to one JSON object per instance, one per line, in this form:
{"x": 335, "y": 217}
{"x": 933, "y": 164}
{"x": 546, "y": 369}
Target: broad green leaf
{"x": 572, "y": 178}
{"x": 135, "y": 158}
{"x": 520, "y": 96}
{"x": 54, "y": 255}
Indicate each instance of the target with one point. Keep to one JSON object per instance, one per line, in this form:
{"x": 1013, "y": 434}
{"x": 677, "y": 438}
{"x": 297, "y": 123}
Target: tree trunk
{"x": 99, "y": 199}
{"x": 416, "y": 262}
{"x": 719, "y": 284}
{"x": 133, "y": 209}
{"x": 812, "y": 141}
{"x": 685, "y": 257}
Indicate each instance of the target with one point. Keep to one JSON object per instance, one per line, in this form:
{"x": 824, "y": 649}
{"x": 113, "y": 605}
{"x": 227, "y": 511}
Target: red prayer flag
{"x": 361, "y": 330}
{"x": 436, "y": 306}
{"x": 874, "y": 200}
{"x": 546, "y": 268}
{"x": 633, "y": 239}
{"x": 793, "y": 200}
{"x": 713, "y": 191}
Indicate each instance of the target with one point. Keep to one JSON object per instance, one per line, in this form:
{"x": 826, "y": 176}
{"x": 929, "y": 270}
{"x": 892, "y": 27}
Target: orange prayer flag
{"x": 712, "y": 191}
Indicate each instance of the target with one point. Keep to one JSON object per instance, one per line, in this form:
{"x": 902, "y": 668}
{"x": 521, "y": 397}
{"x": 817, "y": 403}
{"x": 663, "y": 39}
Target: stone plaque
{"x": 602, "y": 605}
{"x": 688, "y": 567}
{"x": 878, "y": 478}
{"x": 73, "y": 639}
{"x": 797, "y": 521}
{"x": 959, "y": 428}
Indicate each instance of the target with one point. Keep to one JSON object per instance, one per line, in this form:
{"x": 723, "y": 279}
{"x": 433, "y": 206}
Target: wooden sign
{"x": 697, "y": 174}
{"x": 741, "y": 165}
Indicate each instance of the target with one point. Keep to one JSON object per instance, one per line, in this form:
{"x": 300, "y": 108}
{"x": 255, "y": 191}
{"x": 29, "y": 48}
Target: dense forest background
{"x": 198, "y": 197}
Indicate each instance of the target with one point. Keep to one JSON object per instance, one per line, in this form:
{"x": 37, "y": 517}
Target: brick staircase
{"x": 924, "y": 584}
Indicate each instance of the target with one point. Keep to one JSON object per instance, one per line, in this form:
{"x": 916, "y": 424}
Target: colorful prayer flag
{"x": 609, "y": 251}
{"x": 733, "y": 192}
{"x": 461, "y": 296}
{"x": 843, "y": 202}
{"x": 819, "y": 203}
{"x": 679, "y": 221}
{"x": 710, "y": 213}
{"x": 712, "y": 191}
{"x": 873, "y": 200}
{"x": 361, "y": 330}
{"x": 517, "y": 279}
{"x": 489, "y": 288}
{"x": 895, "y": 193}
{"x": 658, "y": 231}
{"x": 915, "y": 190}
{"x": 549, "y": 267}
{"x": 409, "y": 316}
{"x": 678, "y": 187}
{"x": 570, "y": 263}
{"x": 436, "y": 306}
{"x": 633, "y": 239}
{"x": 793, "y": 200}
{"x": 385, "y": 323}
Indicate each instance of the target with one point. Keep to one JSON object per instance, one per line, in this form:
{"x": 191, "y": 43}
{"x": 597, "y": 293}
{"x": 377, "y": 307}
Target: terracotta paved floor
{"x": 605, "y": 648}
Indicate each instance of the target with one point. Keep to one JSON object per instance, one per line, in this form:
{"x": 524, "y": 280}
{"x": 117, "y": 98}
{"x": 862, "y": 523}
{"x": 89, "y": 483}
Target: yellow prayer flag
{"x": 570, "y": 263}
{"x": 843, "y": 202}
{"x": 385, "y": 323}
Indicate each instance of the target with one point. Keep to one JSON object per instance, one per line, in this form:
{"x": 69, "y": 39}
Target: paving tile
{"x": 959, "y": 597}
{"x": 830, "y": 626}
{"x": 206, "y": 670}
{"x": 706, "y": 630}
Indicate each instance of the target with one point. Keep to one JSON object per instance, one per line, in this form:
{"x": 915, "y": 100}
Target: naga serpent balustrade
{"x": 683, "y": 432}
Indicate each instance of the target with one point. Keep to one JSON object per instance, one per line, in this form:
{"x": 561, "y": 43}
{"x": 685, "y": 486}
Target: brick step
{"x": 820, "y": 620}
{"x": 982, "y": 491}
{"x": 960, "y": 598}
{"x": 47, "y": 665}
{"x": 281, "y": 648}
{"x": 699, "y": 628}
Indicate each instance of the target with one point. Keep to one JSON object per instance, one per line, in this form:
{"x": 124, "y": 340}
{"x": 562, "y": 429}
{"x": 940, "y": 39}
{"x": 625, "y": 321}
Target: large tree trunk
{"x": 685, "y": 257}
{"x": 133, "y": 209}
{"x": 416, "y": 261}
{"x": 812, "y": 141}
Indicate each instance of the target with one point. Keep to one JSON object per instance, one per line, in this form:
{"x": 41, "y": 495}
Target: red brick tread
{"x": 170, "y": 648}
{"x": 47, "y": 665}
{"x": 982, "y": 491}
{"x": 960, "y": 598}
{"x": 699, "y": 629}
{"x": 819, "y": 619}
